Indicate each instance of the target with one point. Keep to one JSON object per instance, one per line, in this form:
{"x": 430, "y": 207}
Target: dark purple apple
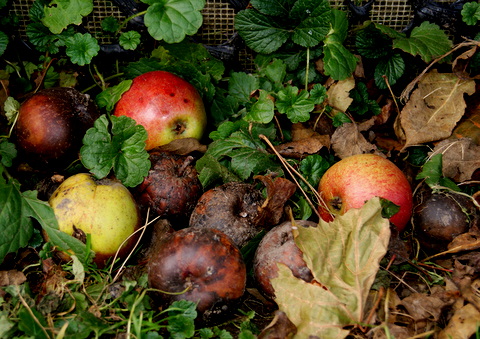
{"x": 52, "y": 123}
{"x": 205, "y": 265}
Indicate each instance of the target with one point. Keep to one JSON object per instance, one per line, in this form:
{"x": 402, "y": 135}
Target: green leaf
{"x": 389, "y": 209}
{"x": 361, "y": 103}
{"x": 260, "y": 32}
{"x": 262, "y": 111}
{"x": 276, "y": 71}
{"x": 8, "y": 152}
{"x": 32, "y": 323}
{"x": 210, "y": 170}
{"x": 3, "y": 42}
{"x": 242, "y": 85}
{"x": 110, "y": 96}
{"x": 11, "y": 108}
{"x": 81, "y": 48}
{"x": 119, "y": 146}
{"x": 372, "y": 43}
{"x": 278, "y": 8}
{"x": 312, "y": 169}
{"x": 339, "y": 62}
{"x": 432, "y": 172}
{"x": 172, "y": 20}
{"x": 130, "y": 40}
{"x": 110, "y": 24}
{"x": 61, "y": 13}
{"x": 471, "y": 13}
{"x": 340, "y": 118}
{"x": 314, "y": 22}
{"x": 318, "y": 94}
{"x": 296, "y": 105}
{"x": 302, "y": 209}
{"x": 393, "y": 68}
{"x": 427, "y": 40}
{"x": 344, "y": 257}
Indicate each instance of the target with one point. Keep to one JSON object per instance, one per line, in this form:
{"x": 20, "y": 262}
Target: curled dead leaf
{"x": 182, "y": 146}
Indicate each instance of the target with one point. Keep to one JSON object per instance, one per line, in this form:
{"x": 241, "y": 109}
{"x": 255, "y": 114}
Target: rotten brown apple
{"x": 199, "y": 265}
{"x": 52, "y": 123}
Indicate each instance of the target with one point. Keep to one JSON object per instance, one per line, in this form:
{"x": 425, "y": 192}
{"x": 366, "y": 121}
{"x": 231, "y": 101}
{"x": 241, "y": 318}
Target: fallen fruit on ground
{"x": 199, "y": 265}
{"x": 231, "y": 208}
{"x": 52, "y": 123}
{"x": 172, "y": 187}
{"x": 352, "y": 181}
{"x": 166, "y": 105}
{"x": 278, "y": 247}
{"x": 105, "y": 209}
{"x": 441, "y": 217}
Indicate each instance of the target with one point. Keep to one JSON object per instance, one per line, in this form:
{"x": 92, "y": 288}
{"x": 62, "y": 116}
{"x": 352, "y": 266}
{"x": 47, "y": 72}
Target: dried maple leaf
{"x": 434, "y": 108}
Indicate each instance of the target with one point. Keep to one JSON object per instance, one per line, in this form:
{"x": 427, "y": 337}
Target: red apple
{"x": 166, "y": 105}
{"x": 352, "y": 181}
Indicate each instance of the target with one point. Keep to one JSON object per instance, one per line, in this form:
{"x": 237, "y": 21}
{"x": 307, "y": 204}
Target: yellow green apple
{"x": 105, "y": 209}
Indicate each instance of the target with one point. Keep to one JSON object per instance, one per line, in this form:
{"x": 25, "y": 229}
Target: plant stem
{"x": 126, "y": 21}
{"x": 307, "y": 69}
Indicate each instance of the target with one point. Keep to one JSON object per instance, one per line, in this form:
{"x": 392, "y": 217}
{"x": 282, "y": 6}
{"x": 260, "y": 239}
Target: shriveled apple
{"x": 105, "y": 209}
{"x": 199, "y": 265}
{"x": 278, "y": 247}
{"x": 166, "y": 105}
{"x": 52, "y": 123}
{"x": 172, "y": 188}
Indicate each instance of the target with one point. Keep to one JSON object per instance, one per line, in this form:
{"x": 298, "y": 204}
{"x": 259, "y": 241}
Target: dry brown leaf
{"x": 12, "y": 277}
{"x": 434, "y": 108}
{"x": 460, "y": 157}
{"x": 463, "y": 323}
{"x": 423, "y": 308}
{"x": 460, "y": 63}
{"x": 279, "y": 327}
{"x": 303, "y": 147}
{"x": 347, "y": 140}
{"x": 339, "y": 95}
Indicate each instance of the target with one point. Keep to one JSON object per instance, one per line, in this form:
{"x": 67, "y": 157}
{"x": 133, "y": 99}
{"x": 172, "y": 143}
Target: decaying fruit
{"x": 440, "y": 217}
{"x": 278, "y": 246}
{"x": 171, "y": 188}
{"x": 231, "y": 208}
{"x": 52, "y": 123}
{"x": 105, "y": 209}
{"x": 202, "y": 263}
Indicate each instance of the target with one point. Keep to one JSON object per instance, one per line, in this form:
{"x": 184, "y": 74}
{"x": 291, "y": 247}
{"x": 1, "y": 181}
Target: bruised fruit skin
{"x": 103, "y": 208}
{"x": 352, "y": 181}
{"x": 166, "y": 105}
{"x": 278, "y": 246}
{"x": 440, "y": 218}
{"x": 204, "y": 263}
{"x": 52, "y": 122}
{"x": 231, "y": 208}
{"x": 171, "y": 188}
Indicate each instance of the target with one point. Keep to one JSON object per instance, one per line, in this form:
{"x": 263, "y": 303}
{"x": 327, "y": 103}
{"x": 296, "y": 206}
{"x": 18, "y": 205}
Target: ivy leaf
{"x": 130, "y": 40}
{"x": 172, "y": 20}
{"x": 344, "y": 257}
{"x": 119, "y": 146}
{"x": 471, "y": 13}
{"x": 393, "y": 68}
{"x": 110, "y": 24}
{"x": 110, "y": 96}
{"x": 61, "y": 13}
{"x": 3, "y": 42}
{"x": 339, "y": 62}
{"x": 262, "y": 111}
{"x": 81, "y": 48}
{"x": 296, "y": 105}
{"x": 427, "y": 40}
